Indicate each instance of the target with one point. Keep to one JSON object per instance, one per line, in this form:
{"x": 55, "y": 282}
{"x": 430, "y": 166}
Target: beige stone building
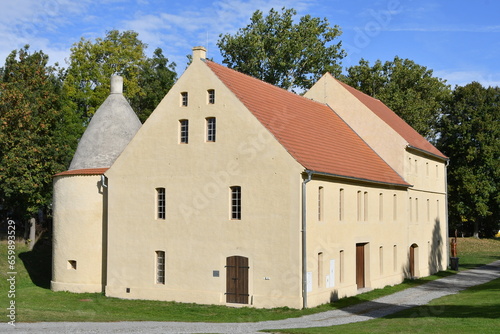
{"x": 236, "y": 192}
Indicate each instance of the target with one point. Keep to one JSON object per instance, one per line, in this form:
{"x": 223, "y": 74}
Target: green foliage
{"x": 470, "y": 136}
{"x": 92, "y": 64}
{"x": 37, "y": 136}
{"x": 409, "y": 89}
{"x": 275, "y": 49}
{"x": 156, "y": 77}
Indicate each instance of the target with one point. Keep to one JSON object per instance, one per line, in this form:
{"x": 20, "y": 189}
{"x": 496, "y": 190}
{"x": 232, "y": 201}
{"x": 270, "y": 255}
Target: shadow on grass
{"x": 38, "y": 262}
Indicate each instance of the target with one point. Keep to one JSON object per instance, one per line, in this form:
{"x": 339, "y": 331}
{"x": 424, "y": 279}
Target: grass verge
{"x": 475, "y": 310}
{"x": 36, "y": 302}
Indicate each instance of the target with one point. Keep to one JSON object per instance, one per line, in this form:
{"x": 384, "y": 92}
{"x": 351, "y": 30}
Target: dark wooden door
{"x": 237, "y": 280}
{"x": 360, "y": 265}
{"x": 412, "y": 260}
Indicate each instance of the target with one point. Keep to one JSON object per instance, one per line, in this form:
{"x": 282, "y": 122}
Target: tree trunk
{"x": 476, "y": 229}
{"x": 32, "y": 225}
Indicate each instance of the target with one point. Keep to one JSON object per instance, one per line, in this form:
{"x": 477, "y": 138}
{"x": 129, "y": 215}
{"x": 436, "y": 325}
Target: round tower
{"x": 80, "y": 197}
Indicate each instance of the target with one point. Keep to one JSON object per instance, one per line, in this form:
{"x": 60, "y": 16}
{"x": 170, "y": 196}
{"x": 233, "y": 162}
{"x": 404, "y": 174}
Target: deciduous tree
{"x": 92, "y": 63}
{"x": 409, "y": 89}
{"x": 36, "y": 136}
{"x": 275, "y": 49}
{"x": 470, "y": 136}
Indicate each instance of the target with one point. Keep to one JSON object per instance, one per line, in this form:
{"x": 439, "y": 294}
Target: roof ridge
{"x": 310, "y": 131}
{"x": 264, "y": 82}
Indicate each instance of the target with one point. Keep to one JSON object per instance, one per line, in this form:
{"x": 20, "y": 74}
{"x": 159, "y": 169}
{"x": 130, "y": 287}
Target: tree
{"x": 37, "y": 135}
{"x": 156, "y": 77}
{"x": 470, "y": 136}
{"x": 407, "y": 88}
{"x": 287, "y": 54}
{"x": 92, "y": 64}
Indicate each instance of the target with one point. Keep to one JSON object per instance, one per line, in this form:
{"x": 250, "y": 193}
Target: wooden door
{"x": 237, "y": 279}
{"x": 360, "y": 265}
{"x": 412, "y": 260}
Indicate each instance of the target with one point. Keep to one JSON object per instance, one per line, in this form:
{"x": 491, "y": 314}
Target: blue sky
{"x": 459, "y": 40}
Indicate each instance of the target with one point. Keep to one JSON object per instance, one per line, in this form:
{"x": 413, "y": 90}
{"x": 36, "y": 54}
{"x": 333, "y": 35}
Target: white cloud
{"x": 462, "y": 78}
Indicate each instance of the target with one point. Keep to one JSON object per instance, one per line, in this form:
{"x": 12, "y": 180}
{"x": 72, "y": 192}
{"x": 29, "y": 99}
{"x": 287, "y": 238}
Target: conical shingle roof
{"x": 112, "y": 127}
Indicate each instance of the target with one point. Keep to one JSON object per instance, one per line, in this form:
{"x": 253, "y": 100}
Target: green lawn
{"x": 475, "y": 310}
{"x": 36, "y": 302}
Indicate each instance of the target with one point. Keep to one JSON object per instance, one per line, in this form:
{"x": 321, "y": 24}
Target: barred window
{"x": 211, "y": 96}
{"x": 184, "y": 131}
{"x": 160, "y": 202}
{"x": 160, "y": 267}
{"x": 236, "y": 203}
{"x": 211, "y": 130}
{"x": 184, "y": 99}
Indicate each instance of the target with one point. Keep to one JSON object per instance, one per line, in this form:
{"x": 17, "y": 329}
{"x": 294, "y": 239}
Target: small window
{"x": 341, "y": 204}
{"x": 211, "y": 96}
{"x": 411, "y": 211}
{"x": 365, "y": 205}
{"x": 184, "y": 131}
{"x": 320, "y": 270}
{"x": 395, "y": 207}
{"x": 381, "y": 207}
{"x": 358, "y": 206}
{"x": 381, "y": 259}
{"x": 72, "y": 264}
{"x": 160, "y": 203}
{"x": 160, "y": 267}
{"x": 395, "y": 258}
{"x": 428, "y": 210}
{"x": 320, "y": 203}
{"x": 211, "y": 130}
{"x": 236, "y": 203}
{"x": 416, "y": 209}
{"x": 184, "y": 99}
{"x": 341, "y": 265}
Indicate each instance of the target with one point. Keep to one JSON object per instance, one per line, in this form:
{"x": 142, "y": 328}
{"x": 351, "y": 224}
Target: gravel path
{"x": 369, "y": 310}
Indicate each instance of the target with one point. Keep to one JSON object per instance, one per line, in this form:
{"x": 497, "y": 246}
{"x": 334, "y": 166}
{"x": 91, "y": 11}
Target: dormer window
{"x": 211, "y": 96}
{"x": 184, "y": 99}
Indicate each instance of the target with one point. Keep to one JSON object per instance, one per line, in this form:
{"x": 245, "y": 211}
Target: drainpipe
{"x": 303, "y": 231}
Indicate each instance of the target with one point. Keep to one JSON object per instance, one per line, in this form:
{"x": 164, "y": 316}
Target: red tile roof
{"x": 413, "y": 138}
{"x": 310, "y": 131}
{"x": 87, "y": 171}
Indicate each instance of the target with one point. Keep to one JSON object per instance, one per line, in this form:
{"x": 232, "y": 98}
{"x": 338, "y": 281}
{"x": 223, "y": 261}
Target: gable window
{"x": 184, "y": 99}
{"x": 211, "y": 96}
{"x": 160, "y": 203}
{"x": 184, "y": 131}
{"x": 236, "y": 203}
{"x": 160, "y": 267}
{"x": 211, "y": 129}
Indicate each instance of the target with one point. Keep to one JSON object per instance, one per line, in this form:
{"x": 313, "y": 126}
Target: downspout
{"x": 303, "y": 231}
